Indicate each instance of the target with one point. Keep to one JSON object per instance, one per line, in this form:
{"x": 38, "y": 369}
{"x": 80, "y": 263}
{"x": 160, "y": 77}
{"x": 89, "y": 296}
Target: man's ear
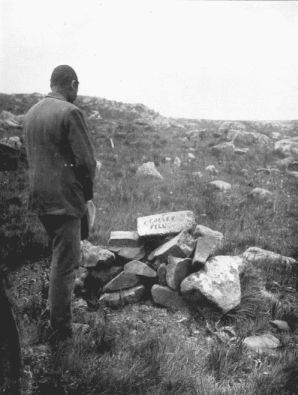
{"x": 73, "y": 84}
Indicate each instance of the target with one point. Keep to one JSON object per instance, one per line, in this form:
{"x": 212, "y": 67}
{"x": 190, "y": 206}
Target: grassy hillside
{"x": 147, "y": 350}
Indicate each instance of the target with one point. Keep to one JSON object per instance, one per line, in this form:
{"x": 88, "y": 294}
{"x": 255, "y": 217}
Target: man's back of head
{"x": 64, "y": 80}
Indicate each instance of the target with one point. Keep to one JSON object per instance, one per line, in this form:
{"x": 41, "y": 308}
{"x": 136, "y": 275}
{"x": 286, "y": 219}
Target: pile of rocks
{"x": 170, "y": 259}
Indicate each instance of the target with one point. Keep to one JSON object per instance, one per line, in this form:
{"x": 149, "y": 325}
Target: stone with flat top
{"x": 165, "y": 223}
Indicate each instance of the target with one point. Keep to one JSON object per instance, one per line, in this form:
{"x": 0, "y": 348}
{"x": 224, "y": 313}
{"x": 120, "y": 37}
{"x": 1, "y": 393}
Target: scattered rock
{"x": 176, "y": 271}
{"x": 166, "y": 297}
{"x": 231, "y": 126}
{"x": 280, "y": 325}
{"x": 256, "y": 255}
{"x": 293, "y": 174}
{"x": 124, "y": 239}
{"x": 119, "y": 299}
{"x": 287, "y": 147}
{"x": 211, "y": 169}
{"x": 165, "y": 223}
{"x": 293, "y": 166}
{"x": 223, "y": 148}
{"x": 177, "y": 162}
{"x": 197, "y": 174}
{"x": 140, "y": 269}
{"x": 10, "y": 120}
{"x": 148, "y": 169}
{"x": 13, "y": 142}
{"x": 261, "y": 195}
{"x": 124, "y": 280}
{"x": 218, "y": 282}
{"x": 262, "y": 343}
{"x": 220, "y": 186}
{"x": 205, "y": 247}
{"x": 181, "y": 245}
{"x": 249, "y": 138}
{"x": 241, "y": 151}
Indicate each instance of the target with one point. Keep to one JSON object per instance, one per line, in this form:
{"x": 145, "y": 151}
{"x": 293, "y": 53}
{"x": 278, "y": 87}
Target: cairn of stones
{"x": 169, "y": 259}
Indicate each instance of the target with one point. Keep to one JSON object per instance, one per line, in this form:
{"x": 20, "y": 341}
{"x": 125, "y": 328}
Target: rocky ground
{"x": 207, "y": 306}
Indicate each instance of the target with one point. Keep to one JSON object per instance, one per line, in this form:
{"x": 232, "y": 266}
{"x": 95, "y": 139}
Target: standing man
{"x": 61, "y": 173}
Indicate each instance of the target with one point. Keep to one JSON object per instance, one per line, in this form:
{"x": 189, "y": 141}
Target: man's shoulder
{"x": 51, "y": 104}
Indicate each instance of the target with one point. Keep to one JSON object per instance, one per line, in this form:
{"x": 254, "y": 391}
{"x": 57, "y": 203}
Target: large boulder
{"x": 148, "y": 169}
{"x": 163, "y": 296}
{"x": 165, "y": 223}
{"x": 218, "y": 282}
{"x": 177, "y": 270}
{"x": 181, "y": 245}
{"x": 256, "y": 255}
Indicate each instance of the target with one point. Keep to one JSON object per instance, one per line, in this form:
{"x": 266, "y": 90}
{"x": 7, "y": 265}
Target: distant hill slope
{"x": 117, "y": 111}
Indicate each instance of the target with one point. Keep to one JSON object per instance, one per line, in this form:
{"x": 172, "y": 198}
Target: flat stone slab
{"x": 165, "y": 223}
{"x": 205, "y": 247}
{"x": 140, "y": 269}
{"x": 124, "y": 239}
{"x": 96, "y": 256}
{"x": 120, "y": 299}
{"x": 218, "y": 282}
{"x": 261, "y": 344}
{"x": 166, "y": 297}
{"x": 181, "y": 245}
{"x": 177, "y": 270}
{"x": 124, "y": 280}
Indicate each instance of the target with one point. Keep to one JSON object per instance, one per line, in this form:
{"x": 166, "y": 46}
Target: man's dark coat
{"x": 60, "y": 156}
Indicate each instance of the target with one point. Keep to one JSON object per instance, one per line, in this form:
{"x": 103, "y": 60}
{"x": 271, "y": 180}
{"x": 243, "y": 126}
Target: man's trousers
{"x": 65, "y": 235}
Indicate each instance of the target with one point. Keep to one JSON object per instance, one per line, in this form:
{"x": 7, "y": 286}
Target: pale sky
{"x": 193, "y": 59}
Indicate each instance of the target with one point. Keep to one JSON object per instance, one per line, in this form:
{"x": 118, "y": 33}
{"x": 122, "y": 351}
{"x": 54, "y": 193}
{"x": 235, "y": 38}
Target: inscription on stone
{"x": 165, "y": 223}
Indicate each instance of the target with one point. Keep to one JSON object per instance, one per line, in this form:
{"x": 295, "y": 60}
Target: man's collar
{"x": 56, "y": 95}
